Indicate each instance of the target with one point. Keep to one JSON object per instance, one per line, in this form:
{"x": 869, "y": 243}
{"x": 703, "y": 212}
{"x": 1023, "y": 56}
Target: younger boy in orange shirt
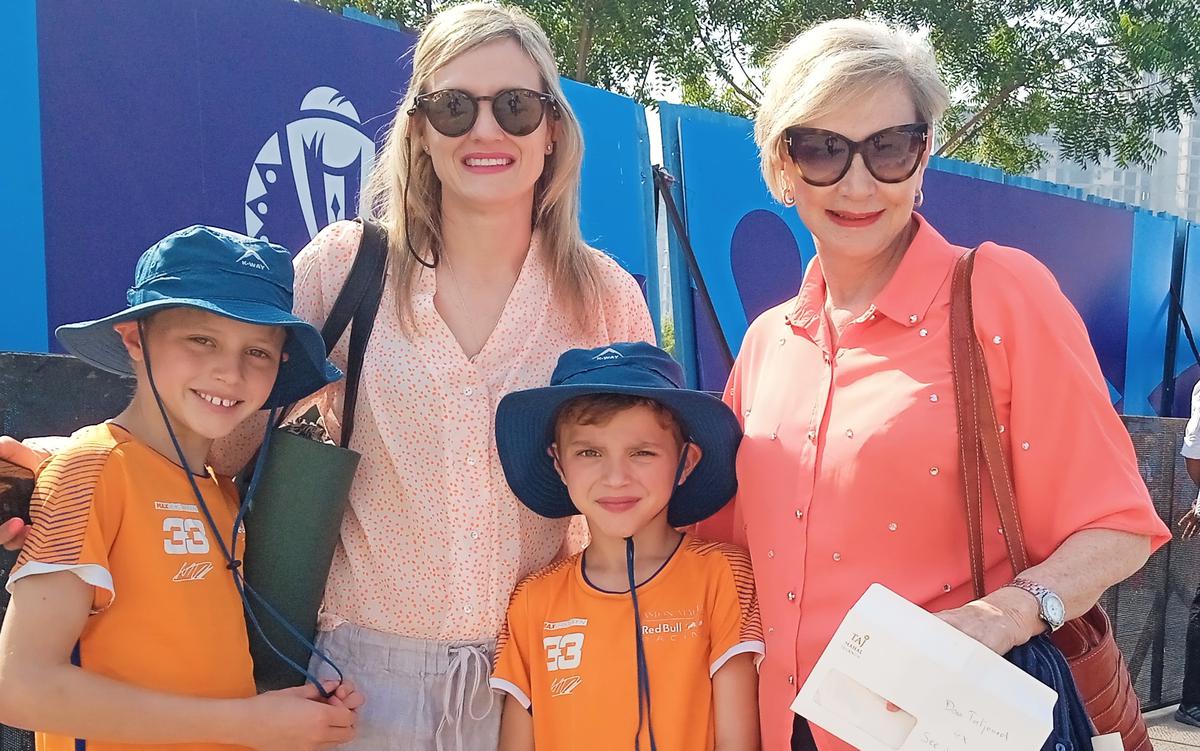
{"x": 125, "y": 625}
{"x": 616, "y": 438}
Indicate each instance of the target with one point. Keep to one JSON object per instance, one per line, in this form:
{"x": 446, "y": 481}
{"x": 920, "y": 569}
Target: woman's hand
{"x": 12, "y": 450}
{"x": 1004, "y": 619}
{"x": 14, "y": 531}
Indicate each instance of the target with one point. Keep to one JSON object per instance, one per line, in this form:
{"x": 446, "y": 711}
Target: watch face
{"x": 1053, "y": 610}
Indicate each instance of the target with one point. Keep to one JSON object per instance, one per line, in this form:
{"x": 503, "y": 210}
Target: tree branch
{"x": 1077, "y": 92}
{"x": 584, "y": 47}
{"x": 720, "y": 66}
{"x": 977, "y": 121}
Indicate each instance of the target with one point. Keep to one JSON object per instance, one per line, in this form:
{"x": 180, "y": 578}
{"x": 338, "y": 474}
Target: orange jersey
{"x": 568, "y": 650}
{"x": 166, "y": 614}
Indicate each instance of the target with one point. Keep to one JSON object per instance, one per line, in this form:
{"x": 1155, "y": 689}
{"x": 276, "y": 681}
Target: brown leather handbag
{"x": 1100, "y": 673}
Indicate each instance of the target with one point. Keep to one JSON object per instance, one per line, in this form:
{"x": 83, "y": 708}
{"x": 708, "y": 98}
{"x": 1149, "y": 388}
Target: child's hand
{"x": 345, "y": 694}
{"x": 297, "y": 719}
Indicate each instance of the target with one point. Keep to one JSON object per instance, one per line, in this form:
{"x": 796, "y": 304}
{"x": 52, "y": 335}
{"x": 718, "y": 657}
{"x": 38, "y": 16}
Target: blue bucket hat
{"x": 525, "y": 428}
{"x": 220, "y": 272}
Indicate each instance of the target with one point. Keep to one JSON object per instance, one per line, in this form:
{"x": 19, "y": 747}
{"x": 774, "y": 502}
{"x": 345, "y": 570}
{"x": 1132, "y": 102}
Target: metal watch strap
{"x": 1038, "y": 591}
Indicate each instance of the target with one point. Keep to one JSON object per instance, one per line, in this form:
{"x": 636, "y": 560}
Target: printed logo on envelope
{"x": 855, "y": 643}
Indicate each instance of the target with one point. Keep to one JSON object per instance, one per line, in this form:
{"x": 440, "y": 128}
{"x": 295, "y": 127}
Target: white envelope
{"x": 954, "y": 694}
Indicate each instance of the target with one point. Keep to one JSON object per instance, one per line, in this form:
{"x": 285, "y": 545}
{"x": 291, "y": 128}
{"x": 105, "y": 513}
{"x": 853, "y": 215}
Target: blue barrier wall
{"x": 23, "y": 305}
{"x": 1150, "y": 283}
{"x": 261, "y": 116}
{"x": 1187, "y": 371}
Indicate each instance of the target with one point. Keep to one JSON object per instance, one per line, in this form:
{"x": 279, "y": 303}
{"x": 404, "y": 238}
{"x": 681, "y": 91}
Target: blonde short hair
{"x": 832, "y": 63}
{"x": 404, "y": 193}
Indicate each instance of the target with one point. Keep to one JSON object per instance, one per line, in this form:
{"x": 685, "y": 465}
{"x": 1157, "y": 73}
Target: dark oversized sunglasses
{"x": 823, "y": 157}
{"x": 452, "y": 112}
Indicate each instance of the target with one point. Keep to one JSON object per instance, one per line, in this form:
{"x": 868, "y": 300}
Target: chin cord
{"x": 643, "y": 671}
{"x": 227, "y": 552}
{"x": 643, "y": 668}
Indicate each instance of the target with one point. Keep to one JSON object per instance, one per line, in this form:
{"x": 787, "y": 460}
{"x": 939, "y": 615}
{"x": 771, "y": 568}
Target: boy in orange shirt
{"x": 616, "y": 438}
{"x": 210, "y": 336}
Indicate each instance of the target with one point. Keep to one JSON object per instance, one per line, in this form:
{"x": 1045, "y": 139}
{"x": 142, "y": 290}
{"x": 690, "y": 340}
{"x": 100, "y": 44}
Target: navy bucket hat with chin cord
{"x": 525, "y": 428}
{"x": 221, "y": 272}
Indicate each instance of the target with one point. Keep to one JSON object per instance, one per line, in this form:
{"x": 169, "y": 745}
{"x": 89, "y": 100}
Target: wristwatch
{"x": 1050, "y": 606}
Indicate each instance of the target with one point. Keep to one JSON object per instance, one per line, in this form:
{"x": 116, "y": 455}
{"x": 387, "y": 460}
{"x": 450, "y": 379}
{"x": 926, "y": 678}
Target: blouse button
{"x": 770, "y": 629}
{"x": 946, "y": 587}
{"x": 996, "y": 339}
{"x": 799, "y": 514}
{"x": 924, "y": 332}
{"x": 812, "y": 435}
{"x": 934, "y": 471}
{"x": 745, "y": 413}
{"x": 475, "y": 535}
{"x": 933, "y": 398}
{"x": 914, "y": 318}
{"x": 772, "y": 436}
{"x": 837, "y": 556}
{"x": 471, "y": 461}
{"x": 1025, "y": 445}
{"x": 849, "y": 433}
{"x": 791, "y": 596}
{"x": 1001, "y": 428}
{"x": 792, "y": 682}
{"x": 770, "y": 553}
{"x": 468, "y": 391}
{"x": 892, "y": 527}
{"x": 781, "y": 341}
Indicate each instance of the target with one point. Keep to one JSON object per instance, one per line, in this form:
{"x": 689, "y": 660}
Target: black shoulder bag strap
{"x": 356, "y": 306}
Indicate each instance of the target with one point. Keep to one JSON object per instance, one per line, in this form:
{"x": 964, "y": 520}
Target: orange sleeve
{"x": 1073, "y": 463}
{"x": 734, "y": 622}
{"x": 511, "y": 673}
{"x": 75, "y": 517}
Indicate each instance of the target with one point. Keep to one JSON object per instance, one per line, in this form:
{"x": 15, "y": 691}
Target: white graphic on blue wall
{"x": 313, "y": 169}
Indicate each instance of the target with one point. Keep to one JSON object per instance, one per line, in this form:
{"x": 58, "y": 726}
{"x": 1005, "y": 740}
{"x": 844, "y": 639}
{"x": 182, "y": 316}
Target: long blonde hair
{"x": 404, "y": 193}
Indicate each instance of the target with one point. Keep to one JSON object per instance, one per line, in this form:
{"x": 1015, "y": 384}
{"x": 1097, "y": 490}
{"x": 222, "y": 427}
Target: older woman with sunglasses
{"x": 848, "y": 473}
{"x": 489, "y": 280}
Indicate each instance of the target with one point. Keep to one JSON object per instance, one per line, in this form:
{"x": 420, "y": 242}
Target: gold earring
{"x": 550, "y": 148}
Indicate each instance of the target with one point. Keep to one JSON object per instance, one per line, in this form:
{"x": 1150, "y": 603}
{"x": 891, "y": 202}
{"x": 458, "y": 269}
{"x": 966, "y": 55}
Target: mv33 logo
{"x": 184, "y": 536}
{"x": 563, "y": 652}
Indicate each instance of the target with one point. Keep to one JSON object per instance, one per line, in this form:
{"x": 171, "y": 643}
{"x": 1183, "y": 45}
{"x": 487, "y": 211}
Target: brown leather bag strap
{"x": 962, "y": 357}
{"x": 981, "y": 455}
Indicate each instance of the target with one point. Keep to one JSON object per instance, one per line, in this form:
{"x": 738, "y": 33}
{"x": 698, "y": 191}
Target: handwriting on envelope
{"x": 953, "y": 693}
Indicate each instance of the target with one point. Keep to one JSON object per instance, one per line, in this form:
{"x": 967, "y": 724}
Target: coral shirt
{"x": 569, "y": 651}
{"x": 166, "y": 613}
{"x": 434, "y": 541}
{"x": 848, "y": 472}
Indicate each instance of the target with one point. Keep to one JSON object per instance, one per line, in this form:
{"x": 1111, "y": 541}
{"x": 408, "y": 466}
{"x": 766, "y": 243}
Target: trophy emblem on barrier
{"x": 313, "y": 169}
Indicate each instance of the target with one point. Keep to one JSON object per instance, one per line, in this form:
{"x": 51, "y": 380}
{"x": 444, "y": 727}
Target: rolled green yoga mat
{"x": 291, "y": 531}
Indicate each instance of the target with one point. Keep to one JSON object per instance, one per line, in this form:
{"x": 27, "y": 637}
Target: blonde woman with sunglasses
{"x": 489, "y": 280}
{"x": 848, "y": 472}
